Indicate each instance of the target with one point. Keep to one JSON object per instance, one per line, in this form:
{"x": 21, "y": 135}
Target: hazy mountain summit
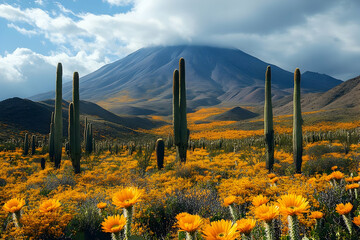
{"x": 142, "y": 81}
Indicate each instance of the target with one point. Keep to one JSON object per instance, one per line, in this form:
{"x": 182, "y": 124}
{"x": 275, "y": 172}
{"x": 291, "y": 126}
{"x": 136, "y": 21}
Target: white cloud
{"x": 119, "y": 2}
{"x": 321, "y": 36}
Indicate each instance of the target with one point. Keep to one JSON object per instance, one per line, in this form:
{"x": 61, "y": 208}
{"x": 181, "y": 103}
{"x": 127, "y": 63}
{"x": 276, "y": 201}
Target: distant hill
{"x": 235, "y": 114}
{"x": 142, "y": 82}
{"x": 26, "y": 115}
{"x": 345, "y": 96}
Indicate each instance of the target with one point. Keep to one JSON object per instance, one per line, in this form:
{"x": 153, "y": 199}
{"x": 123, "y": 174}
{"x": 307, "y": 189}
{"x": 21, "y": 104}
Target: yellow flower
{"x": 101, "y": 205}
{"x": 245, "y": 225}
{"x": 352, "y": 186}
{"x": 189, "y": 222}
{"x": 49, "y": 205}
{"x": 344, "y": 209}
{"x": 14, "y": 205}
{"x": 259, "y": 200}
{"x": 266, "y": 212}
{"x": 220, "y": 230}
{"x": 337, "y": 175}
{"x": 229, "y": 200}
{"x": 334, "y": 168}
{"x": 271, "y": 175}
{"x": 181, "y": 215}
{"x": 292, "y": 204}
{"x": 298, "y": 175}
{"x": 316, "y": 215}
{"x": 356, "y": 221}
{"x": 126, "y": 197}
{"x": 113, "y": 224}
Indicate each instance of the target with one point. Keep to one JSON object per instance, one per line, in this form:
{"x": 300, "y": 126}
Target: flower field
{"x": 223, "y": 191}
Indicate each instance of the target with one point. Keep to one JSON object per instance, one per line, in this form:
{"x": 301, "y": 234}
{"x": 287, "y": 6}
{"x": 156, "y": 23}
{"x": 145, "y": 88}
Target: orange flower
{"x": 274, "y": 180}
{"x": 334, "y": 168}
{"x": 356, "y": 221}
{"x": 101, "y": 205}
{"x": 266, "y": 212}
{"x": 126, "y": 197}
{"x": 259, "y": 200}
{"x": 292, "y": 204}
{"x": 49, "y": 205}
{"x": 352, "y": 186}
{"x": 337, "y": 175}
{"x": 113, "y": 224}
{"x": 222, "y": 229}
{"x": 229, "y": 200}
{"x": 357, "y": 179}
{"x": 349, "y": 179}
{"x": 181, "y": 215}
{"x": 271, "y": 175}
{"x": 245, "y": 225}
{"x": 189, "y": 222}
{"x": 14, "y": 205}
{"x": 344, "y": 209}
{"x": 316, "y": 215}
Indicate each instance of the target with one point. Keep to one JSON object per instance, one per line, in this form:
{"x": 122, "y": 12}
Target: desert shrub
{"x": 159, "y": 218}
{"x": 318, "y": 150}
{"x": 324, "y": 165}
{"x": 87, "y": 221}
{"x": 52, "y": 182}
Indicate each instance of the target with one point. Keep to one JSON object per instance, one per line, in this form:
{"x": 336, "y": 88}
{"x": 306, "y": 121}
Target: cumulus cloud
{"x": 320, "y": 36}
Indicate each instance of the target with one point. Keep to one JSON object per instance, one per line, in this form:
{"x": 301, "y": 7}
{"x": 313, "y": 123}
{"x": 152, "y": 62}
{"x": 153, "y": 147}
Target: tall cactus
{"x": 58, "y": 117}
{"x": 33, "y": 144}
{"x": 160, "y": 149}
{"x": 181, "y": 133}
{"x": 76, "y": 147}
{"x": 26, "y": 144}
{"x": 51, "y": 138}
{"x": 71, "y": 132}
{"x": 297, "y": 124}
{"x": 268, "y": 122}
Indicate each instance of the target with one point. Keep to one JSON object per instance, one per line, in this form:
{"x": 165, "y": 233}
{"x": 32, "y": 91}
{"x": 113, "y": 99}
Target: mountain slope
{"x": 26, "y": 115}
{"x": 342, "y": 97}
{"x": 214, "y": 75}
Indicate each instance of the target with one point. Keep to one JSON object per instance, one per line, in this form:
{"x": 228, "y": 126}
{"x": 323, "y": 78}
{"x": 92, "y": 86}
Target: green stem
{"x": 128, "y": 213}
{"x": 347, "y": 223}
{"x": 16, "y": 218}
{"x": 116, "y": 236}
{"x": 191, "y": 236}
{"x": 245, "y": 237}
{"x": 233, "y": 213}
{"x": 269, "y": 230}
{"x": 293, "y": 227}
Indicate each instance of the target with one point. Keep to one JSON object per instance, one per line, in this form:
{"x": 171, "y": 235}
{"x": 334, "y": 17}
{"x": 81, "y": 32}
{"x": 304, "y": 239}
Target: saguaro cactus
{"x": 268, "y": 122}
{"x": 26, "y": 144}
{"x": 160, "y": 149}
{"x": 181, "y": 133}
{"x": 58, "y": 117}
{"x": 33, "y": 144}
{"x": 76, "y": 147}
{"x": 51, "y": 138}
{"x": 297, "y": 124}
{"x": 71, "y": 133}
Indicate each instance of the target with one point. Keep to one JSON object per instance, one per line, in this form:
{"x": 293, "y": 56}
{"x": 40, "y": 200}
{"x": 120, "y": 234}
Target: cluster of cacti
{"x": 26, "y": 144}
{"x": 89, "y": 141}
{"x": 58, "y": 124}
{"x": 268, "y": 122}
{"x": 297, "y": 124}
{"x": 74, "y": 126}
{"x": 181, "y": 132}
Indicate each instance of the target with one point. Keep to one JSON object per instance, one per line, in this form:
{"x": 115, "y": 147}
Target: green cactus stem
{"x": 58, "y": 118}
{"x": 26, "y": 144}
{"x": 76, "y": 148}
{"x": 160, "y": 149}
{"x": 297, "y": 124}
{"x": 268, "y": 122}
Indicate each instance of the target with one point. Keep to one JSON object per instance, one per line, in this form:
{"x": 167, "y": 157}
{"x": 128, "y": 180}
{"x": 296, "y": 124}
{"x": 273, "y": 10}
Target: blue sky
{"x": 321, "y": 36}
